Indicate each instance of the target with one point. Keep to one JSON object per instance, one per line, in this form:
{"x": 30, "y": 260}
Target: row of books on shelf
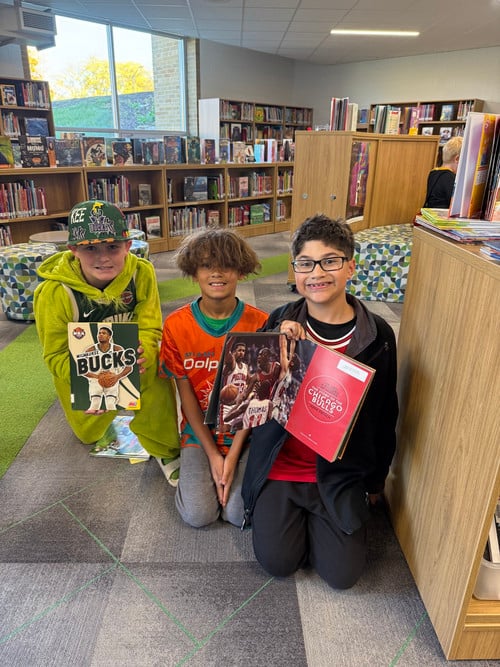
{"x": 32, "y": 94}
{"x": 201, "y": 188}
{"x": 386, "y": 119}
{"x": 250, "y": 185}
{"x": 15, "y": 124}
{"x": 182, "y": 221}
{"x": 28, "y": 150}
{"x": 5, "y": 235}
{"x": 343, "y": 114}
{"x": 248, "y": 214}
{"x": 22, "y": 199}
{"x": 445, "y": 132}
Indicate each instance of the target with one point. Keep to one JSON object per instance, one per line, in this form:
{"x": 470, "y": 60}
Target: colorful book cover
{"x": 195, "y": 188}
{"x": 193, "y": 150}
{"x": 103, "y": 366}
{"x": 122, "y": 153}
{"x": 208, "y": 153}
{"x": 94, "y": 151}
{"x": 224, "y": 150}
{"x": 144, "y": 196}
{"x": 313, "y": 392}
{"x": 6, "y": 154}
{"x": 152, "y": 224}
{"x": 174, "y": 149}
{"x": 68, "y": 152}
{"x": 137, "y": 150}
{"x": 9, "y": 97}
{"x": 33, "y": 151}
{"x": 153, "y": 151}
{"x": 125, "y": 445}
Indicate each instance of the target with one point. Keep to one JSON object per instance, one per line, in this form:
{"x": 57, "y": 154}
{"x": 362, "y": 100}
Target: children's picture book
{"x": 8, "y": 93}
{"x": 152, "y": 226}
{"x": 6, "y": 154}
{"x": 94, "y": 151}
{"x": 193, "y": 150}
{"x": 315, "y": 393}
{"x": 33, "y": 151}
{"x": 103, "y": 366}
{"x": 125, "y": 445}
{"x": 144, "y": 196}
{"x": 174, "y": 149}
{"x": 68, "y": 152}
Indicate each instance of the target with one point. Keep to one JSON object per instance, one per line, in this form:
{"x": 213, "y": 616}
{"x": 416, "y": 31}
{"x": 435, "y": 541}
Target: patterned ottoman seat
{"x": 18, "y": 277}
{"x": 382, "y": 262}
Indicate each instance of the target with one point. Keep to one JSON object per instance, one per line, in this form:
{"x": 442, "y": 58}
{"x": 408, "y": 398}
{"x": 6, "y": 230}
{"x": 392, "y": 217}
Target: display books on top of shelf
{"x": 51, "y": 151}
{"x": 208, "y": 151}
{"x": 313, "y": 392}
{"x": 472, "y": 170}
{"x": 491, "y": 249}
{"x": 144, "y": 196}
{"x": 122, "y": 153}
{"x": 6, "y": 154}
{"x": 125, "y": 444}
{"x": 103, "y": 365}
{"x": 462, "y": 230}
{"x": 68, "y": 152}
{"x": 238, "y": 152}
{"x": 152, "y": 226}
{"x": 193, "y": 150}
{"x": 8, "y": 95}
{"x": 137, "y": 153}
{"x": 174, "y": 149}
{"x": 94, "y": 151}
{"x": 153, "y": 151}
{"x": 33, "y": 151}
{"x": 224, "y": 150}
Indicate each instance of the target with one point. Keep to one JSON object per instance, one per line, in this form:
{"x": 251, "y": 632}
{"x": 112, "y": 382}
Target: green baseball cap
{"x": 96, "y": 221}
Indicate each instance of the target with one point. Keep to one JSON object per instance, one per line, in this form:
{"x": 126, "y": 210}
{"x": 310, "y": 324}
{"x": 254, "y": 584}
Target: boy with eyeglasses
{"x": 303, "y": 509}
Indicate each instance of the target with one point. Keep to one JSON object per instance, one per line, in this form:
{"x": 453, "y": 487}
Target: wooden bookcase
{"x": 433, "y": 115}
{"x": 32, "y": 100}
{"x": 445, "y": 477}
{"x": 64, "y": 186}
{"x": 221, "y": 118}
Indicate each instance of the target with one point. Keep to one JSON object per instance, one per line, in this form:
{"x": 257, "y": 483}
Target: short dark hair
{"x": 332, "y": 232}
{"x": 222, "y": 248}
{"x": 108, "y": 329}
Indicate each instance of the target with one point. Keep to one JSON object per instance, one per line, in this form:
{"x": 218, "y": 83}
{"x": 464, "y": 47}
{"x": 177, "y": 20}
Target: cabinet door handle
{"x": 305, "y": 195}
{"x": 333, "y": 197}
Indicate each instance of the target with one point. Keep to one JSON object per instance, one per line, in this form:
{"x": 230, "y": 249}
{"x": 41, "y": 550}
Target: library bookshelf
{"x": 267, "y": 210}
{"x": 22, "y": 101}
{"x": 444, "y": 481}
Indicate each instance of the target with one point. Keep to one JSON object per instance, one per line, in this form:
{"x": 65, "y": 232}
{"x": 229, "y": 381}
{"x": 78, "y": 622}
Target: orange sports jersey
{"x": 191, "y": 349}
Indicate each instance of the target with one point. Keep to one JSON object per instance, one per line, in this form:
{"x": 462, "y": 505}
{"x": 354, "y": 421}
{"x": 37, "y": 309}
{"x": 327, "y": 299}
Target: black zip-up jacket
{"x": 345, "y": 483}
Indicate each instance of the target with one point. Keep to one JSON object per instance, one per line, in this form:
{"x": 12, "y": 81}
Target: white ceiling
{"x": 300, "y": 29}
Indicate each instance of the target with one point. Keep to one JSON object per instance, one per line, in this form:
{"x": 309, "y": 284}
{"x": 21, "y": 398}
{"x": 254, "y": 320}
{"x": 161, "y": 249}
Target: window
{"x": 113, "y": 81}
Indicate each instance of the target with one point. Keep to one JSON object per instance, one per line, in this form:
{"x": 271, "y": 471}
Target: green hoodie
{"x": 55, "y": 305}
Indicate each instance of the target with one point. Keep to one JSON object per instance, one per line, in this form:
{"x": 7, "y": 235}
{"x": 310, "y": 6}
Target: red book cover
{"x": 313, "y": 392}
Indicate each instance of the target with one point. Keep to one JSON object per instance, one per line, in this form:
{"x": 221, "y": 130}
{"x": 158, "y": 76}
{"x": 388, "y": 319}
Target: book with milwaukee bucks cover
{"x": 315, "y": 393}
{"x": 103, "y": 366}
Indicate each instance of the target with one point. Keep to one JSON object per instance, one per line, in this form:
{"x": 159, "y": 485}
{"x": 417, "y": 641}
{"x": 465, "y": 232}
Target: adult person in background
{"x": 441, "y": 180}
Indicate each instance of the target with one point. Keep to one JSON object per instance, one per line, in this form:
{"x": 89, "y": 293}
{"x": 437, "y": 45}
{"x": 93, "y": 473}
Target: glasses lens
{"x": 303, "y": 265}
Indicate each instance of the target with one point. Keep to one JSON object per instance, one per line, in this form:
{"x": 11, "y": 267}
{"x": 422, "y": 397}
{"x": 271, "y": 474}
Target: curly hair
{"x": 218, "y": 248}
{"x": 333, "y": 233}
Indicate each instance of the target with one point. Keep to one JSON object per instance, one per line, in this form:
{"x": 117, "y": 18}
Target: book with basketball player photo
{"x": 103, "y": 366}
{"x": 314, "y": 392}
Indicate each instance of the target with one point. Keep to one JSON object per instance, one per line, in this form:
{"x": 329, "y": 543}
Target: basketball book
{"x": 315, "y": 393}
{"x": 103, "y": 366}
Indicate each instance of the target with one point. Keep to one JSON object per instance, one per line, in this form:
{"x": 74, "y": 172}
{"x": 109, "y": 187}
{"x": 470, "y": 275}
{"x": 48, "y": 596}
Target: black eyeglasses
{"x": 327, "y": 264}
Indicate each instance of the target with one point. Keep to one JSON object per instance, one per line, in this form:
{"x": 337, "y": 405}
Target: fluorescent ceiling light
{"x": 383, "y": 33}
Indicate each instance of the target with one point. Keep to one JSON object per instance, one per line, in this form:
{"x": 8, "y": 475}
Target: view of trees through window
{"x": 112, "y": 80}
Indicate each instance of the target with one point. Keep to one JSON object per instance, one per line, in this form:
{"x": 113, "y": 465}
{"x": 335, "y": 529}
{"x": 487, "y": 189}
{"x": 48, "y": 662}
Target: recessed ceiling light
{"x": 383, "y": 33}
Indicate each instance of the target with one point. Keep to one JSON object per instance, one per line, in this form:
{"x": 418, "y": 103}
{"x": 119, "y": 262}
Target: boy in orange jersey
{"x": 211, "y": 469}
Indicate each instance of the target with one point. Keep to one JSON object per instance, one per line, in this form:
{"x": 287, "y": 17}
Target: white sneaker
{"x": 169, "y": 469}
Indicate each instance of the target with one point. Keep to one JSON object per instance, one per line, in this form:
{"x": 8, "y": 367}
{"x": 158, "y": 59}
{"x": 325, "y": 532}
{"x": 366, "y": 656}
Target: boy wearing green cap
{"x": 99, "y": 280}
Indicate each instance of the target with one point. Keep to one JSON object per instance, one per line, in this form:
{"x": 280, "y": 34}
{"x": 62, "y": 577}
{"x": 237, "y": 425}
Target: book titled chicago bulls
{"x": 315, "y": 393}
{"x": 103, "y": 366}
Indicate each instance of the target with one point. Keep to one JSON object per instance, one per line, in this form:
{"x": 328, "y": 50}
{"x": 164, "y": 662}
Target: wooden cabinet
{"x": 247, "y": 121}
{"x": 370, "y": 180}
{"x": 25, "y": 108}
{"x": 445, "y": 478}
{"x": 265, "y": 206}
{"x": 444, "y": 118}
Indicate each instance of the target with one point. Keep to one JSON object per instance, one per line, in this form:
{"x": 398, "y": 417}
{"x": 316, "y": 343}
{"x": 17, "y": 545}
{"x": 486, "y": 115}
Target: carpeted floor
{"x": 98, "y": 570}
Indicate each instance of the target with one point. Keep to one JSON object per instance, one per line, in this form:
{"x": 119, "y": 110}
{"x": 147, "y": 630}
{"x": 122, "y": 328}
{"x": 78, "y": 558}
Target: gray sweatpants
{"x": 196, "y": 497}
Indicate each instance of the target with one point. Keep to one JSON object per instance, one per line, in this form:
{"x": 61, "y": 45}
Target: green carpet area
{"x": 27, "y": 393}
{"x": 179, "y": 288}
{"x": 27, "y": 389}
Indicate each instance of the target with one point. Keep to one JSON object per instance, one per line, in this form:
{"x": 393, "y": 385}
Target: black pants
{"x": 292, "y": 529}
